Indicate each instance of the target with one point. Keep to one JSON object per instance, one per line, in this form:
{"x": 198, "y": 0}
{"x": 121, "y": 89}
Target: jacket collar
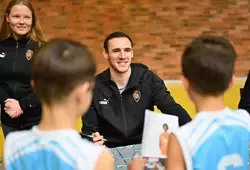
{"x": 137, "y": 71}
{"x": 21, "y": 41}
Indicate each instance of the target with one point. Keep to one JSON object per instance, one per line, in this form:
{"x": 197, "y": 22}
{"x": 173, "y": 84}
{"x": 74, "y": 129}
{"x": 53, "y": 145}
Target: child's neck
{"x": 212, "y": 103}
{"x": 57, "y": 118}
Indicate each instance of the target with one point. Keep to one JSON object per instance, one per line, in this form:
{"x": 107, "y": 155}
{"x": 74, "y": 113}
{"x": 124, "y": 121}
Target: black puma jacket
{"x": 120, "y": 117}
{"x": 15, "y": 77}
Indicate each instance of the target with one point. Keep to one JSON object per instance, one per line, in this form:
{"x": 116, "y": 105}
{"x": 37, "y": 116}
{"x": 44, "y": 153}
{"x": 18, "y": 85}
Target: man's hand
{"x": 98, "y": 139}
{"x": 12, "y": 108}
{"x": 137, "y": 164}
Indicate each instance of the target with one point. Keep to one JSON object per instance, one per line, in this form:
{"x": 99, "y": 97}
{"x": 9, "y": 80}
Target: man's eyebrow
{"x": 116, "y": 49}
{"x": 128, "y": 48}
{"x": 119, "y": 49}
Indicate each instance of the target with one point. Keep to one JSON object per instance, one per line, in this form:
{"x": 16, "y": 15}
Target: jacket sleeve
{"x": 245, "y": 95}
{"x": 32, "y": 100}
{"x": 90, "y": 121}
{"x": 166, "y": 103}
{"x": 3, "y": 95}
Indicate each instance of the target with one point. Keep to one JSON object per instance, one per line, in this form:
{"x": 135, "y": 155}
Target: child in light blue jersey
{"x": 62, "y": 72}
{"x": 218, "y": 137}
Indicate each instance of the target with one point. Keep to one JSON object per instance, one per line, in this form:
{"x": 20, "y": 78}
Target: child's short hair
{"x": 59, "y": 66}
{"x": 208, "y": 63}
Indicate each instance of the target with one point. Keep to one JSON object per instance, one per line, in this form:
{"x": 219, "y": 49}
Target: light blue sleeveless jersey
{"x": 50, "y": 150}
{"x": 216, "y": 140}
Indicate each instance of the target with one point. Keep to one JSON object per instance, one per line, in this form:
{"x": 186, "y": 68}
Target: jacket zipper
{"x": 14, "y": 64}
{"x": 124, "y": 116}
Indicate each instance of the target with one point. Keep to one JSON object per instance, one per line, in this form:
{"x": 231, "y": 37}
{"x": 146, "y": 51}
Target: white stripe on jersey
{"x": 22, "y": 139}
{"x": 194, "y": 136}
{"x": 34, "y": 148}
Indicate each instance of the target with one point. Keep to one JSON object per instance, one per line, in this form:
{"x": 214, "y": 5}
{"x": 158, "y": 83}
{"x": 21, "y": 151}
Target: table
{"x": 124, "y": 154}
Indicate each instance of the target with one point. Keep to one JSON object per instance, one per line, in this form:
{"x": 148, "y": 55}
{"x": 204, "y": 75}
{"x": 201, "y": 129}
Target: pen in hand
{"x": 90, "y": 137}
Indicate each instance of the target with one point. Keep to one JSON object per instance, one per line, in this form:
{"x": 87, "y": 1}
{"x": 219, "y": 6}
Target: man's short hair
{"x": 115, "y": 35}
{"x": 208, "y": 63}
{"x": 59, "y": 66}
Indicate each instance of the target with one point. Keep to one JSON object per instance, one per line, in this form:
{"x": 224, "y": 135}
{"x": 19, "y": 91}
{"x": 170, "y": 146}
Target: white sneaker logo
{"x": 2, "y": 55}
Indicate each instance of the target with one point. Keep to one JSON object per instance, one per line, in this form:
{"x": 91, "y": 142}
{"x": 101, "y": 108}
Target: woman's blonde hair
{"x": 36, "y": 33}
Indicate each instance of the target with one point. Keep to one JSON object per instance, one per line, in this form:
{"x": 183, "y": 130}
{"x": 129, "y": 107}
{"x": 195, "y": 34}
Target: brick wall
{"x": 159, "y": 28}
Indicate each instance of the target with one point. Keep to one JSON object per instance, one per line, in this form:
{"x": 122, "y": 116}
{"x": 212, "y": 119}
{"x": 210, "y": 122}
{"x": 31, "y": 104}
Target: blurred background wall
{"x": 160, "y": 29}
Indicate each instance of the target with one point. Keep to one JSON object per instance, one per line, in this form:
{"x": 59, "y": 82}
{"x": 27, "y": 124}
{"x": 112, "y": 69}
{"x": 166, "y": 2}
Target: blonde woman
{"x": 20, "y": 36}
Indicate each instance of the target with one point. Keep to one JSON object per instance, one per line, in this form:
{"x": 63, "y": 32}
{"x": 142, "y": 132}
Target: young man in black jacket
{"x": 122, "y": 94}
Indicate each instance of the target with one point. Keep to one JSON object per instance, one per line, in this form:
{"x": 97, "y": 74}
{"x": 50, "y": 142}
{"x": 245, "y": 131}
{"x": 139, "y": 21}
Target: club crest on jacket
{"x": 29, "y": 54}
{"x": 137, "y": 95}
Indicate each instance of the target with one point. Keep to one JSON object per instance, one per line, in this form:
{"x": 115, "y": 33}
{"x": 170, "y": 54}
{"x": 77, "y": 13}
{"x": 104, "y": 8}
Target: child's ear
{"x": 81, "y": 91}
{"x": 185, "y": 82}
{"x": 230, "y": 85}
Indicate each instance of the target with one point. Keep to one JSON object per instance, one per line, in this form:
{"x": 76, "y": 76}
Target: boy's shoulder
{"x": 13, "y": 137}
{"x": 87, "y": 145}
{"x": 16, "y": 140}
{"x": 62, "y": 138}
{"x": 208, "y": 130}
{"x": 67, "y": 146}
{"x": 204, "y": 120}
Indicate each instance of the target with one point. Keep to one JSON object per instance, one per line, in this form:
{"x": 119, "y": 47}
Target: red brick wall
{"x": 159, "y": 28}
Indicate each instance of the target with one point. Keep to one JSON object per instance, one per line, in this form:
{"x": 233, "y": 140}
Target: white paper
{"x": 153, "y": 128}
